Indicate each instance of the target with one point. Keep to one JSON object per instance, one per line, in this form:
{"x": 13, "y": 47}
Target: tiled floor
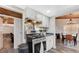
{"x": 7, "y": 44}
{"x": 60, "y": 48}
{"x": 9, "y": 51}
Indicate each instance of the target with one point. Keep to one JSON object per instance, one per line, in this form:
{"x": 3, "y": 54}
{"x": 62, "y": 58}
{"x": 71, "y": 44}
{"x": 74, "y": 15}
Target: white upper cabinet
{"x": 39, "y": 17}
{"x": 43, "y": 18}
{"x": 45, "y": 21}
{"x": 30, "y": 13}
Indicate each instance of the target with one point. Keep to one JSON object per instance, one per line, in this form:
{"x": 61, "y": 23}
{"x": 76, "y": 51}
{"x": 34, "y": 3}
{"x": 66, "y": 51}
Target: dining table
{"x": 74, "y": 39}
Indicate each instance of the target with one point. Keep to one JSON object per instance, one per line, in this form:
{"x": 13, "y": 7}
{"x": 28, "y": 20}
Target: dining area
{"x": 70, "y": 35}
{"x": 69, "y": 40}
{"x": 66, "y": 43}
{"x": 67, "y": 30}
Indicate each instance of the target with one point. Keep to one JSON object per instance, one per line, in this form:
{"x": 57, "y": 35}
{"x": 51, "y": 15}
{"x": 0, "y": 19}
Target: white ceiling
{"x": 55, "y": 10}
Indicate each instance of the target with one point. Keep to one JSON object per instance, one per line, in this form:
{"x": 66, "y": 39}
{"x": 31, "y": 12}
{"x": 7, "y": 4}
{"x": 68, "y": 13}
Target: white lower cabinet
{"x": 43, "y": 44}
{"x": 50, "y": 42}
{"x": 38, "y": 45}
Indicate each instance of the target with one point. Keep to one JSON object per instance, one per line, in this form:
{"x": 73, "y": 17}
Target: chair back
{"x": 69, "y": 37}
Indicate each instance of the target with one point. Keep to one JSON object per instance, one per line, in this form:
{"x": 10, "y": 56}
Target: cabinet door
{"x": 50, "y": 42}
{"x": 53, "y": 45}
{"x": 30, "y": 13}
{"x": 39, "y": 17}
{"x": 45, "y": 21}
{"x": 54, "y": 42}
{"x": 43, "y": 18}
{"x": 47, "y": 43}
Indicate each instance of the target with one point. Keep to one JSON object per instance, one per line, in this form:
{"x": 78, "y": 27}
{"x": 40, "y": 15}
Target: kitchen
{"x": 37, "y": 27}
{"x": 45, "y": 28}
{"x": 33, "y": 24}
{"x": 55, "y": 29}
{"x": 39, "y": 39}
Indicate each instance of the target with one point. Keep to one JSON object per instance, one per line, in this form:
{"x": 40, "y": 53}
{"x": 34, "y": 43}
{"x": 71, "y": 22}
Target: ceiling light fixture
{"x": 48, "y": 11}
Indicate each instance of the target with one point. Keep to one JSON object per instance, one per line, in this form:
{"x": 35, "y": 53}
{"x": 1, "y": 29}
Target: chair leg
{"x": 71, "y": 43}
{"x": 75, "y": 42}
{"x": 65, "y": 42}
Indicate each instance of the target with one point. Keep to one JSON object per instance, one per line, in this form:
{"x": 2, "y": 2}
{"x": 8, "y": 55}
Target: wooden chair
{"x": 69, "y": 38}
{"x": 75, "y": 39}
{"x": 63, "y": 38}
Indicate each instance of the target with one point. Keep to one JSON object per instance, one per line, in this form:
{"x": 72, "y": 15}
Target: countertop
{"x": 36, "y": 36}
{"x": 49, "y": 34}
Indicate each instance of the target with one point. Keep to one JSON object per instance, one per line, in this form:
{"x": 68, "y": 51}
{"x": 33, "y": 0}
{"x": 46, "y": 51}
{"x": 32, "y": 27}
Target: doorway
{"x": 7, "y": 25}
